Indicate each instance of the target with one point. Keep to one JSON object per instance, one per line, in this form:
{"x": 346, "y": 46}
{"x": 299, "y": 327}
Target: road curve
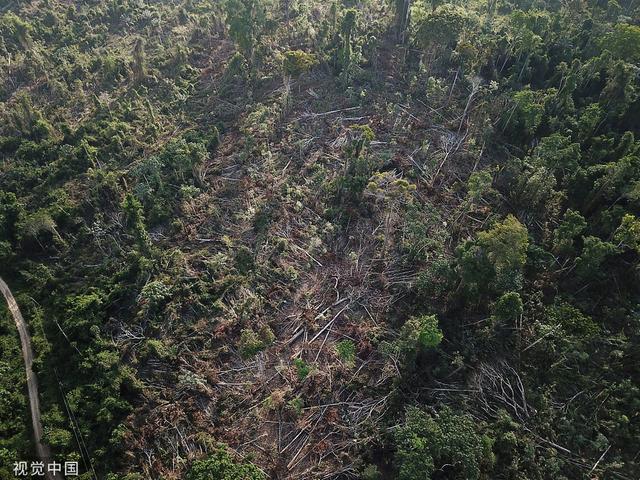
{"x": 42, "y": 450}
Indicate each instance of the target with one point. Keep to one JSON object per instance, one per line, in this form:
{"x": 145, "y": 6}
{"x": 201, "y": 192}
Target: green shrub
{"x": 250, "y": 343}
{"x": 296, "y": 405}
{"x": 346, "y": 351}
{"x": 302, "y": 368}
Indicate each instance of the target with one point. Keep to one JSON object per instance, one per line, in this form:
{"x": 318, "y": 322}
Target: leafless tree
{"x": 499, "y": 387}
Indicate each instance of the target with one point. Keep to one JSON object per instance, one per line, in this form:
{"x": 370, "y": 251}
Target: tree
{"x": 40, "y": 226}
{"x": 628, "y": 233}
{"x": 620, "y": 91}
{"x": 526, "y": 114}
{"x": 358, "y": 166}
{"x": 508, "y": 308}
{"x": 572, "y": 225}
{"x": 16, "y": 32}
{"x": 138, "y": 66}
{"x": 572, "y": 319}
{"x": 246, "y": 20}
{"x": 527, "y": 30}
{"x": 612, "y": 180}
{"x": 403, "y": 16}
{"x": 480, "y": 188}
{"x": 440, "y": 30}
{"x": 10, "y": 214}
{"x": 153, "y": 296}
{"x": 418, "y": 336}
{"x": 420, "y": 333}
{"x": 28, "y": 120}
{"x": 593, "y": 255}
{"x": 623, "y": 42}
{"x": 297, "y": 62}
{"x": 251, "y": 342}
{"x": 536, "y": 192}
{"x": 494, "y": 261}
{"x": 220, "y": 466}
{"x": 135, "y": 219}
{"x": 505, "y": 244}
{"x": 557, "y": 153}
{"x": 448, "y": 442}
{"x": 345, "y": 53}
{"x": 442, "y": 27}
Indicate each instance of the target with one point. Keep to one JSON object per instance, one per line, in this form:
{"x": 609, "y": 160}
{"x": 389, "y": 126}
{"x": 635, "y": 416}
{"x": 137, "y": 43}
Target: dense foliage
{"x": 350, "y": 239}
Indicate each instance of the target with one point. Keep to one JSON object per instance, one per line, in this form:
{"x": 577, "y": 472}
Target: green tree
{"x": 138, "y": 66}
{"x": 572, "y": 225}
{"x": 418, "y": 335}
{"x": 612, "y": 180}
{"x": 251, "y": 342}
{"x": 10, "y": 214}
{"x": 628, "y": 233}
{"x": 297, "y": 62}
{"x": 526, "y": 113}
{"x": 557, "y": 153}
{"x": 345, "y": 53}
{"x": 220, "y": 466}
{"x": 135, "y": 219}
{"x": 442, "y": 28}
{"x": 620, "y": 90}
{"x": 448, "y": 441}
{"x": 589, "y": 120}
{"x": 572, "y": 319}
{"x": 37, "y": 225}
{"x": 508, "y": 308}
{"x": 346, "y": 351}
{"x": 421, "y": 333}
{"x": 16, "y": 32}
{"x": 480, "y": 188}
{"x": 623, "y": 42}
{"x": 358, "y": 166}
{"x": 494, "y": 261}
{"x": 593, "y": 255}
{"x": 527, "y": 31}
{"x": 505, "y": 245}
{"x": 246, "y": 20}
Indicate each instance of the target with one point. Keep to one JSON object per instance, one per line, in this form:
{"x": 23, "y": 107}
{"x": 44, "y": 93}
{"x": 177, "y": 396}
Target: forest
{"x": 305, "y": 239}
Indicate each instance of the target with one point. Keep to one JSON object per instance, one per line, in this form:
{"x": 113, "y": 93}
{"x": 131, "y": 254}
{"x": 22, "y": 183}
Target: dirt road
{"x": 42, "y": 450}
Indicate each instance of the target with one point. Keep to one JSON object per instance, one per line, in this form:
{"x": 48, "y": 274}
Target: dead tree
{"x": 499, "y": 387}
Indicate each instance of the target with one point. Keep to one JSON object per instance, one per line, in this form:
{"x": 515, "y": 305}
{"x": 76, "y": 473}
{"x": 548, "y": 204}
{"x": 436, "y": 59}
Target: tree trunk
{"x": 404, "y": 14}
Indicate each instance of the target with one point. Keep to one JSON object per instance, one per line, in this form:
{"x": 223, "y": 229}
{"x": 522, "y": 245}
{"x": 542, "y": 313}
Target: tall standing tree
{"x": 346, "y": 48}
{"x": 246, "y": 20}
{"x": 139, "y": 68}
{"x": 403, "y": 17}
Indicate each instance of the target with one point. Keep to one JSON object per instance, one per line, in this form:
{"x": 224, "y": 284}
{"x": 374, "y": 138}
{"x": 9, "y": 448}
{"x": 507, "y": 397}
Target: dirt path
{"x": 42, "y": 450}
